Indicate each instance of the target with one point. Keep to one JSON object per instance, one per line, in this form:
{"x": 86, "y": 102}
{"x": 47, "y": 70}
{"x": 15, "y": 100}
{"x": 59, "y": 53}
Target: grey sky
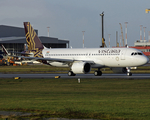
{"x": 68, "y": 18}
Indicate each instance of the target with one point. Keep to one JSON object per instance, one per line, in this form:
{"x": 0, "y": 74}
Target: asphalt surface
{"x": 134, "y": 76}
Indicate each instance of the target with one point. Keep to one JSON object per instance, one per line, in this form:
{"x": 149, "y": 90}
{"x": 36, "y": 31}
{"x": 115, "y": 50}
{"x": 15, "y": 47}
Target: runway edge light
{"x": 57, "y": 76}
{"x": 16, "y": 78}
{"x": 79, "y": 80}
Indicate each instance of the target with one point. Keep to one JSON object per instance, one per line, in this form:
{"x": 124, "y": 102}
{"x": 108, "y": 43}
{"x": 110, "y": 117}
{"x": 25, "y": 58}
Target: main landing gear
{"x": 128, "y": 71}
{"x": 70, "y": 73}
{"x": 98, "y": 72}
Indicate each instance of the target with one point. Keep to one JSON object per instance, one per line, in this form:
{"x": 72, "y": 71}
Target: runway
{"x": 110, "y": 76}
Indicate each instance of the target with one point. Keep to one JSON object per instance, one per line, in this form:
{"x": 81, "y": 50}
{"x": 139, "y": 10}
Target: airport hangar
{"x": 13, "y": 39}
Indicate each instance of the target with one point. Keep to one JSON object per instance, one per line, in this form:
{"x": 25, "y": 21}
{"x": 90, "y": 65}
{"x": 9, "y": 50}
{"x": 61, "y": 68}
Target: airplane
{"x": 81, "y": 60}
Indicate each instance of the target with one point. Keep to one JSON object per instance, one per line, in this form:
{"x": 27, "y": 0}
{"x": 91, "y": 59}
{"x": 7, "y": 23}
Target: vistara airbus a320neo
{"x": 80, "y": 61}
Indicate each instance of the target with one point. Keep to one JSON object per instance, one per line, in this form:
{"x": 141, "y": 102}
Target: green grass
{"x": 50, "y": 69}
{"x": 114, "y": 99}
{"x": 32, "y": 69}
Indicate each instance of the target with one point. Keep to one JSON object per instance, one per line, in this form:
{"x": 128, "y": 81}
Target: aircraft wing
{"x": 21, "y": 53}
{"x": 56, "y": 59}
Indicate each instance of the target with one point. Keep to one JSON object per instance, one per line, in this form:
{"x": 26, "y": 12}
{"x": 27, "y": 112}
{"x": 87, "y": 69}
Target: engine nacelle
{"x": 81, "y": 67}
{"x": 119, "y": 70}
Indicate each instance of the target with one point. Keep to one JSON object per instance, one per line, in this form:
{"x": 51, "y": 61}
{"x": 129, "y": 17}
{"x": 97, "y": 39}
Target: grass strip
{"x": 49, "y": 69}
{"x": 112, "y": 99}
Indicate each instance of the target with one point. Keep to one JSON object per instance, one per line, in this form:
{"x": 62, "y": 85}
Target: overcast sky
{"x": 68, "y": 18}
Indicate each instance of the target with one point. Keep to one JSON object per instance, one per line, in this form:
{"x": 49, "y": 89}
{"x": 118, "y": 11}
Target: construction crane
{"x": 147, "y": 10}
{"x": 103, "y": 39}
{"x": 122, "y": 34}
{"x": 117, "y": 44}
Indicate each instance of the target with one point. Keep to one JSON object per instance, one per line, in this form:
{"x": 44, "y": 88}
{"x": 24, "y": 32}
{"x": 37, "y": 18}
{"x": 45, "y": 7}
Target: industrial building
{"x": 13, "y": 38}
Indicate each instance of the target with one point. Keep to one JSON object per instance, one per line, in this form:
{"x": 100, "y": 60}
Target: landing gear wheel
{"x": 129, "y": 74}
{"x": 128, "y": 71}
{"x": 97, "y": 73}
{"x": 70, "y": 73}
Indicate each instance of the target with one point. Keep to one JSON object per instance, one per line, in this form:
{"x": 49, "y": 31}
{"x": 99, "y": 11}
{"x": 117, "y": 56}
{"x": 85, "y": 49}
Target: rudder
{"x": 32, "y": 39}
{"x": 33, "y": 42}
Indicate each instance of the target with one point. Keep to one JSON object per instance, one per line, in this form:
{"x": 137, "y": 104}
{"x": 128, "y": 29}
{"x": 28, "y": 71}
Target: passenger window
{"x": 135, "y": 53}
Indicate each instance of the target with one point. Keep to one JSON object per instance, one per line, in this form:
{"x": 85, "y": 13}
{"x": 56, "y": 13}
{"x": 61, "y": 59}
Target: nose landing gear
{"x": 128, "y": 71}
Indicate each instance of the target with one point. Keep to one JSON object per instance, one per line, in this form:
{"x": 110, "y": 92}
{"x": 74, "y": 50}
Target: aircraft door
{"x": 123, "y": 52}
{"x": 89, "y": 55}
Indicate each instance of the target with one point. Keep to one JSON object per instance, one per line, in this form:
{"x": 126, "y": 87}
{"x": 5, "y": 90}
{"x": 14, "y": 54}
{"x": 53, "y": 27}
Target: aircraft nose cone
{"x": 145, "y": 60}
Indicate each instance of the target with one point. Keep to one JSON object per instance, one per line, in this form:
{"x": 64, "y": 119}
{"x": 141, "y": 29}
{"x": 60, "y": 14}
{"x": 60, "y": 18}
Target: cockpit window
{"x": 137, "y": 53}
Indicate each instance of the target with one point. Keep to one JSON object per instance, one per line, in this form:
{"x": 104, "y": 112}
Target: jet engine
{"x": 81, "y": 67}
{"x": 119, "y": 70}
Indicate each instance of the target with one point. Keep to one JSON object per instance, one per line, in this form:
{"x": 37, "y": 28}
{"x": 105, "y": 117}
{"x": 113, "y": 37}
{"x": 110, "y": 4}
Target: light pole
{"x": 48, "y": 31}
{"x": 109, "y": 40}
{"x": 83, "y": 38}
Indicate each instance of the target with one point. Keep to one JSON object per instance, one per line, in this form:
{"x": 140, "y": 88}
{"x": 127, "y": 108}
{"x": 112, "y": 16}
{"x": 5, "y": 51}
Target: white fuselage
{"x": 101, "y": 57}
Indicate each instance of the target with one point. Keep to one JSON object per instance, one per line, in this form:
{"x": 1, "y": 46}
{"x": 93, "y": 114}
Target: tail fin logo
{"x": 30, "y": 35}
{"x": 47, "y": 52}
{"x": 33, "y": 42}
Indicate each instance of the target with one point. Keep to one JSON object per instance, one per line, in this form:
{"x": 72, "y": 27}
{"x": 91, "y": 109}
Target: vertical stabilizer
{"x": 32, "y": 39}
{"x": 33, "y": 42}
